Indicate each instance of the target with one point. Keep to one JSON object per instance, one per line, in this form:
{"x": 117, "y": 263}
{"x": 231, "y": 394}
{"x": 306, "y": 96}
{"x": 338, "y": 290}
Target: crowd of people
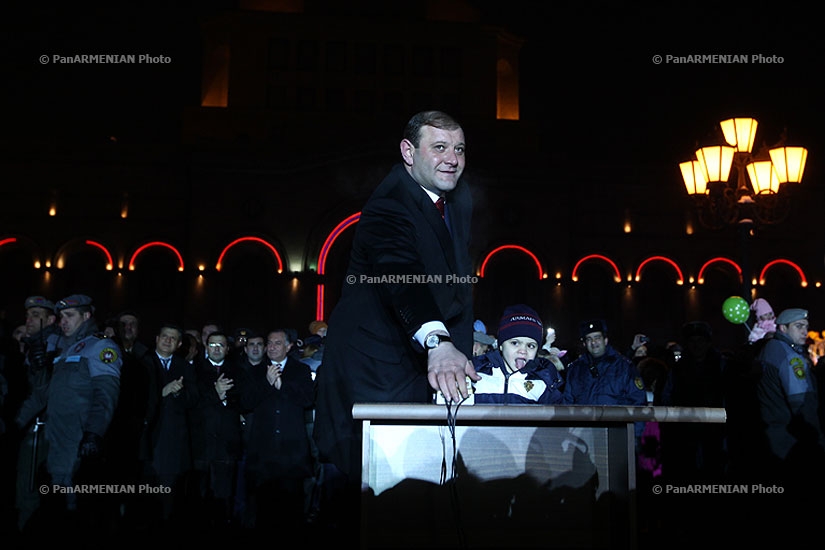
{"x": 237, "y": 430}
{"x": 220, "y": 426}
{"x": 210, "y": 432}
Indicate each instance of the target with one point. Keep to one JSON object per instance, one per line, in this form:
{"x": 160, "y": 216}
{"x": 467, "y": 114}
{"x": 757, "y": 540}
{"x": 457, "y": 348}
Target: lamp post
{"x": 722, "y": 200}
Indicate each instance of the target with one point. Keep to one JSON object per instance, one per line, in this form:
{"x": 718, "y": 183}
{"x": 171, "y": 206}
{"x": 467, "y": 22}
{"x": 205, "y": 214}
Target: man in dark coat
{"x": 404, "y": 324}
{"x": 166, "y": 446}
{"x": 216, "y": 431}
{"x": 278, "y": 392}
{"x": 405, "y": 316}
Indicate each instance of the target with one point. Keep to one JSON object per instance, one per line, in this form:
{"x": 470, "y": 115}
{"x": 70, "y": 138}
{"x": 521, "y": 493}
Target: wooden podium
{"x": 503, "y": 476}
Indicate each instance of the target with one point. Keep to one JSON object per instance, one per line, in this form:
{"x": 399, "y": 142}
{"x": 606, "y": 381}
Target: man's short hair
{"x": 436, "y": 119}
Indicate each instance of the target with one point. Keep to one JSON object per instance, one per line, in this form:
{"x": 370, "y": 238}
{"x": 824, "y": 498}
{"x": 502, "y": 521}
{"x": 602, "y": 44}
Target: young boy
{"x": 513, "y": 373}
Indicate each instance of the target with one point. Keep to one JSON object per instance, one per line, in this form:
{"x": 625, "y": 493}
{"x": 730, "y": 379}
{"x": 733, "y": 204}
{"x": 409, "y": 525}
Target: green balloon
{"x": 736, "y": 310}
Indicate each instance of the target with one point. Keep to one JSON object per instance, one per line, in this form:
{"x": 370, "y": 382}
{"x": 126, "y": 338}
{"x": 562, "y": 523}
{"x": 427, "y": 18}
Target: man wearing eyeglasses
{"x": 216, "y": 431}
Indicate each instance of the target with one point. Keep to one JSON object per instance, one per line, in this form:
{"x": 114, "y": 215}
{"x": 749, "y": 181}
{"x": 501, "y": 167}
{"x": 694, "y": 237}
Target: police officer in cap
{"x": 789, "y": 402}
{"x": 602, "y": 375}
{"x": 81, "y": 395}
{"x": 38, "y": 352}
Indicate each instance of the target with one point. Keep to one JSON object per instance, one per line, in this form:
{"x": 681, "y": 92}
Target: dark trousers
{"x": 31, "y": 460}
{"x": 216, "y": 482}
{"x": 274, "y": 500}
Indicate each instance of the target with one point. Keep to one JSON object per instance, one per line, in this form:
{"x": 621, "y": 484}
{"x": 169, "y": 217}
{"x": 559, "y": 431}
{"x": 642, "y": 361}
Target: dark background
{"x": 610, "y": 125}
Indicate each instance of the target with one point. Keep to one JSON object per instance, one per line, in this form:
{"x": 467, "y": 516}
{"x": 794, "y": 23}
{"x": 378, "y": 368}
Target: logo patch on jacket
{"x": 798, "y": 366}
{"x": 528, "y": 385}
{"x": 639, "y": 383}
{"x": 108, "y": 355}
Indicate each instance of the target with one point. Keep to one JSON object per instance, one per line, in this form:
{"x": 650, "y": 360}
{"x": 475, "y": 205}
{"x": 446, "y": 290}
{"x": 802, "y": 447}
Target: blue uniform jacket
{"x": 788, "y": 396}
{"x": 612, "y": 379}
{"x": 80, "y": 397}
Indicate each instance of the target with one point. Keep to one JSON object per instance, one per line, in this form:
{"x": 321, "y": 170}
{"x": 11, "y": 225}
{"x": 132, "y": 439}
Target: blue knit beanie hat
{"x": 520, "y": 321}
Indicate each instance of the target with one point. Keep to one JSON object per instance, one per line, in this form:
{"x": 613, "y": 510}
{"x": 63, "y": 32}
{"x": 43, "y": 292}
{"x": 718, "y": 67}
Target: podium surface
{"x": 493, "y": 476}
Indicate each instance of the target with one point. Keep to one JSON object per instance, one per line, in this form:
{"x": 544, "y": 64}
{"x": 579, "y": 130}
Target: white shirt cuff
{"x": 427, "y": 328}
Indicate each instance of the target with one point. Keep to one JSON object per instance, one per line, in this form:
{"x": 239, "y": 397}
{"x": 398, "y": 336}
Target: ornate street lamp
{"x": 758, "y": 192}
{"x": 722, "y": 200}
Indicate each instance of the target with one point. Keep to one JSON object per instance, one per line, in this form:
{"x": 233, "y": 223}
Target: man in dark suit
{"x": 165, "y": 446}
{"x": 216, "y": 431}
{"x": 278, "y": 391}
{"x": 405, "y": 317}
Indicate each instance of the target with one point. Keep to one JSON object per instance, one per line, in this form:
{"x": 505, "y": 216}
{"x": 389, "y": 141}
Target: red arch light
{"x": 782, "y": 261}
{"x": 616, "y": 275}
{"x": 254, "y": 239}
{"x": 701, "y": 276}
{"x": 513, "y": 247}
{"x": 679, "y": 281}
{"x": 109, "y": 262}
{"x": 8, "y": 241}
{"x": 322, "y": 259}
{"x": 155, "y": 243}
{"x": 333, "y": 235}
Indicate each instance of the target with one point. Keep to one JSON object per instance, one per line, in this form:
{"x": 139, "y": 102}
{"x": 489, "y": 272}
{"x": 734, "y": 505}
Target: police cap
{"x": 788, "y": 316}
{"x": 593, "y": 325}
{"x": 75, "y": 300}
{"x": 38, "y": 301}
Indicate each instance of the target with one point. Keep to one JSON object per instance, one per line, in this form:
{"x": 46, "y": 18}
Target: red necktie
{"x": 440, "y": 205}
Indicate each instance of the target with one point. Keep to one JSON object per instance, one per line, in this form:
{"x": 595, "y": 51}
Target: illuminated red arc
{"x": 782, "y": 261}
{"x": 254, "y": 239}
{"x": 680, "y": 280}
{"x": 109, "y": 261}
{"x": 333, "y": 235}
{"x": 8, "y": 241}
{"x": 510, "y": 247}
{"x": 718, "y": 259}
{"x": 155, "y": 243}
{"x": 322, "y": 259}
{"x": 616, "y": 275}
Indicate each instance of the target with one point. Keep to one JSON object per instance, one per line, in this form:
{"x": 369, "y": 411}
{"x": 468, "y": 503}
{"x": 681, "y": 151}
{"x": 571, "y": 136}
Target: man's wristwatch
{"x": 433, "y": 341}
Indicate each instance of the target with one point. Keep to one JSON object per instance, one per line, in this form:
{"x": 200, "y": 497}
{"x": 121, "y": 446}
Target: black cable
{"x": 455, "y": 502}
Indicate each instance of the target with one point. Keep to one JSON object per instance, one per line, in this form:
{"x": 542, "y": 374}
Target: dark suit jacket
{"x": 278, "y": 441}
{"x": 370, "y": 355}
{"x": 166, "y": 443}
{"x": 216, "y": 428}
